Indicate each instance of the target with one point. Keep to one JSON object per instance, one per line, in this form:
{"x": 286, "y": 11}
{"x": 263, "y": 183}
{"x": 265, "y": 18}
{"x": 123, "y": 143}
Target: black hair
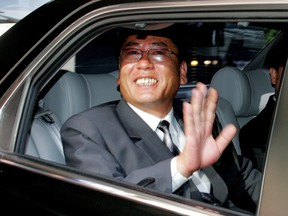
{"x": 277, "y": 55}
{"x": 171, "y": 32}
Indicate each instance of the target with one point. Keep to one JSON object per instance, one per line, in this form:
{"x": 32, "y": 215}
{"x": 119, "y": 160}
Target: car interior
{"x": 231, "y": 59}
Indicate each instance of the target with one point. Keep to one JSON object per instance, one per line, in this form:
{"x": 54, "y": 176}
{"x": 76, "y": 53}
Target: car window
{"x": 89, "y": 77}
{"x": 225, "y": 44}
{"x": 233, "y": 44}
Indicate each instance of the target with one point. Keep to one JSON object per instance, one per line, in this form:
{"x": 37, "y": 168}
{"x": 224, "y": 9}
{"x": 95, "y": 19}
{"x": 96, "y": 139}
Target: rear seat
{"x": 245, "y": 93}
{"x": 75, "y": 92}
{"x": 71, "y": 94}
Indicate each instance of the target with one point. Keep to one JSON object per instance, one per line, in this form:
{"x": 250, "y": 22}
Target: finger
{"x": 203, "y": 90}
{"x": 211, "y": 106}
{"x": 225, "y": 137}
{"x": 187, "y": 118}
{"x": 197, "y": 108}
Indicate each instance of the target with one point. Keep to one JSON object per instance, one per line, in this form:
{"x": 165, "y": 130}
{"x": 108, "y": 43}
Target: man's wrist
{"x": 181, "y": 169}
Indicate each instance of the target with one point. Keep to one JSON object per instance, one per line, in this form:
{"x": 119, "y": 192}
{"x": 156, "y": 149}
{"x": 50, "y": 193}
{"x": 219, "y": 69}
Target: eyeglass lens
{"x": 154, "y": 55}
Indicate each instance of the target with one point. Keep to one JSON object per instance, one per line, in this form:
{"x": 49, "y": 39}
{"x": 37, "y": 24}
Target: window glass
{"x": 209, "y": 48}
{"x": 232, "y": 44}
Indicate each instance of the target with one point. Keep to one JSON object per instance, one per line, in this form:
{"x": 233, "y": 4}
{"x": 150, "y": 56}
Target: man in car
{"x": 127, "y": 140}
{"x": 254, "y": 135}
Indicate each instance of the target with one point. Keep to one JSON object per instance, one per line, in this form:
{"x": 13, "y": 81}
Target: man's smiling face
{"x": 151, "y": 81}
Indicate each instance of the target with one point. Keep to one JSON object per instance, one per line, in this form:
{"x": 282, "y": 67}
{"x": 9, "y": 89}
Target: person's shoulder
{"x": 101, "y": 108}
{"x": 93, "y": 117}
{"x": 97, "y": 112}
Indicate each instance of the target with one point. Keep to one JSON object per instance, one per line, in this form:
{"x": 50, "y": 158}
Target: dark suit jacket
{"x": 114, "y": 141}
{"x": 254, "y": 135}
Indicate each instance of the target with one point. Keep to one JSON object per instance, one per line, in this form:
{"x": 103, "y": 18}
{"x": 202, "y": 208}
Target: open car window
{"x": 209, "y": 47}
{"x": 89, "y": 78}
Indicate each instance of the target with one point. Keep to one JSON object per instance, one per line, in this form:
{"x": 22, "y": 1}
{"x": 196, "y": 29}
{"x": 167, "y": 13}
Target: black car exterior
{"x": 38, "y": 45}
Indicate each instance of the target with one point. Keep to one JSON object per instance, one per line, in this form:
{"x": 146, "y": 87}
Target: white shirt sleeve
{"x": 177, "y": 179}
{"x": 199, "y": 178}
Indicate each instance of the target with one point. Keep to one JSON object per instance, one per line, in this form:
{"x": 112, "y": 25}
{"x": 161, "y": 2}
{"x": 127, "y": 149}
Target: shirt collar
{"x": 150, "y": 119}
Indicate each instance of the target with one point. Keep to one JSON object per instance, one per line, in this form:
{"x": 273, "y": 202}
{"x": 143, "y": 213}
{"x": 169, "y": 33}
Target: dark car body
{"x": 31, "y": 54}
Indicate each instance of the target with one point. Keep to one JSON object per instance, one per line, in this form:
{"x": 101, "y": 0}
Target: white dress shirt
{"x": 199, "y": 178}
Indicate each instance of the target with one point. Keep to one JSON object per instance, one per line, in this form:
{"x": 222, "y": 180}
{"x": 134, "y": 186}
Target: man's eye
{"x": 158, "y": 52}
{"x": 132, "y": 52}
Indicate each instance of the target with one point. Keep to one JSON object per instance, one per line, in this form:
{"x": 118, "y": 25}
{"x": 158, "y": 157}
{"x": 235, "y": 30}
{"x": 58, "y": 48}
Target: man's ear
{"x": 183, "y": 73}
{"x": 273, "y": 75}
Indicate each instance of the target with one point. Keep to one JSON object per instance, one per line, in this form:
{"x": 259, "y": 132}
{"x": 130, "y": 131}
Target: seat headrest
{"x": 233, "y": 85}
{"x": 74, "y": 93}
{"x": 261, "y": 89}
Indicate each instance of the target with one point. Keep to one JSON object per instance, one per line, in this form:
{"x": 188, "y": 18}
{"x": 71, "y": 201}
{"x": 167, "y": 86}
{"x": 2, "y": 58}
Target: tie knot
{"x": 163, "y": 125}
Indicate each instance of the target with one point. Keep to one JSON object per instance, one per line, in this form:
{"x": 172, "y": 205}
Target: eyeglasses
{"x": 133, "y": 55}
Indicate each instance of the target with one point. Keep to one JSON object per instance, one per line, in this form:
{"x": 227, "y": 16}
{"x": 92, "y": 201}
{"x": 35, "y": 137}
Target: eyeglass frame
{"x": 169, "y": 52}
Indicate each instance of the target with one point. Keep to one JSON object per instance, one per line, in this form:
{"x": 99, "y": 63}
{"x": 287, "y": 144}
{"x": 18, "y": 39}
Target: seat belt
{"x": 45, "y": 115}
{"x": 49, "y": 122}
{"x": 230, "y": 149}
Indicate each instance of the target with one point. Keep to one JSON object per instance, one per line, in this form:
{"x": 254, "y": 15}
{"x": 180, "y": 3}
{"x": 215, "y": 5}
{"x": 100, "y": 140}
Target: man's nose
{"x": 144, "y": 60}
{"x": 144, "y": 56}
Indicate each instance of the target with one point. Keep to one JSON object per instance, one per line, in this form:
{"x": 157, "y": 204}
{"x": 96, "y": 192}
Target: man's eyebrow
{"x": 161, "y": 44}
{"x": 155, "y": 44}
{"x": 131, "y": 43}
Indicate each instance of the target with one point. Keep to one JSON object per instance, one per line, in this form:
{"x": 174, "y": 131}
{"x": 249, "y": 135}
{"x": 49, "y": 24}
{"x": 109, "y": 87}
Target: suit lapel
{"x": 141, "y": 134}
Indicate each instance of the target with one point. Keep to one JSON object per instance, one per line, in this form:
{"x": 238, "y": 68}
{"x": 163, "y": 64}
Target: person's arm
{"x": 86, "y": 149}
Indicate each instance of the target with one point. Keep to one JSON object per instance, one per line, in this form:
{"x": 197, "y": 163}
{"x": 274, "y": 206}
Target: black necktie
{"x": 209, "y": 198}
{"x": 164, "y": 127}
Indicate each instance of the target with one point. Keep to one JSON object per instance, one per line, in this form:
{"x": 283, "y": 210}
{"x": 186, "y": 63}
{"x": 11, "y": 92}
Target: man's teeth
{"x": 146, "y": 81}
